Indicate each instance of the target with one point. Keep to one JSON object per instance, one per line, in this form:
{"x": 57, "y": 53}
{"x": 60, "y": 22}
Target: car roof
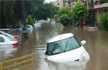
{"x": 60, "y": 37}
{"x": 5, "y": 29}
{"x": 2, "y": 32}
{"x": 2, "y": 35}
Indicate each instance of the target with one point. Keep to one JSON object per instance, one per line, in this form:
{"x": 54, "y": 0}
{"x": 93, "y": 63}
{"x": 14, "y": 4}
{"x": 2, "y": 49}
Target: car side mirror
{"x": 83, "y": 42}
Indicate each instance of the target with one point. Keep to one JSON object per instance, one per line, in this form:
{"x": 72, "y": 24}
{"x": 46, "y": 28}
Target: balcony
{"x": 92, "y": 4}
{"x": 101, "y": 5}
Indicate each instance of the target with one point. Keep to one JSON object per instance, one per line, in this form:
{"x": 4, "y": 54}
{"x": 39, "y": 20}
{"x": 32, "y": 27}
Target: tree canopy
{"x": 64, "y": 10}
{"x": 64, "y": 19}
{"x": 11, "y": 11}
{"x": 79, "y": 11}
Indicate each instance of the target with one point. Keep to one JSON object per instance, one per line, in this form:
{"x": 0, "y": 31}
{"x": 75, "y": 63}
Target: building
{"x": 101, "y": 8}
{"x": 55, "y": 3}
{"x": 95, "y": 8}
{"x": 69, "y": 3}
{"x": 59, "y": 3}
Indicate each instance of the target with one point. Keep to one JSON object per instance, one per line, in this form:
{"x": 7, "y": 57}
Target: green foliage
{"x": 63, "y": 10}
{"x": 8, "y": 15}
{"x": 77, "y": 24}
{"x": 45, "y": 10}
{"x": 103, "y": 1}
{"x": 79, "y": 11}
{"x": 30, "y": 20}
{"x": 64, "y": 19}
{"x": 103, "y": 21}
{"x": 54, "y": 10}
{"x": 11, "y": 11}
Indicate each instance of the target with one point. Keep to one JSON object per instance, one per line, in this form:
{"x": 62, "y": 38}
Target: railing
{"x": 17, "y": 61}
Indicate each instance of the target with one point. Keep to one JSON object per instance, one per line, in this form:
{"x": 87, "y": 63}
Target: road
{"x": 97, "y": 47}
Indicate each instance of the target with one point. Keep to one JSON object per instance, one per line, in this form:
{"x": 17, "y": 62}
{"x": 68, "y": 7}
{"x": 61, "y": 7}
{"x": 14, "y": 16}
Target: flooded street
{"x": 96, "y": 46}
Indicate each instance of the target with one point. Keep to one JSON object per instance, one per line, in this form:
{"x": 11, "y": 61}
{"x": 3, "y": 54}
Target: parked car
{"x": 6, "y": 40}
{"x": 7, "y": 30}
{"x": 29, "y": 27}
{"x": 37, "y": 25}
{"x": 66, "y": 47}
{"x": 53, "y": 21}
{"x": 11, "y": 36}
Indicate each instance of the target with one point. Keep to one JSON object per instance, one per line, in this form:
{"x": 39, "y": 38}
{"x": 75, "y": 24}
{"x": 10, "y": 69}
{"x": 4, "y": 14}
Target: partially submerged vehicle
{"x": 66, "y": 47}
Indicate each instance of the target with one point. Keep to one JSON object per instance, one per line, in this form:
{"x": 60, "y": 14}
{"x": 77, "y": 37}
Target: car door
{"x": 2, "y": 41}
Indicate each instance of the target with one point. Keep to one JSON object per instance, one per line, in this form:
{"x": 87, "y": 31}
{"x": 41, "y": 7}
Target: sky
{"x": 49, "y": 1}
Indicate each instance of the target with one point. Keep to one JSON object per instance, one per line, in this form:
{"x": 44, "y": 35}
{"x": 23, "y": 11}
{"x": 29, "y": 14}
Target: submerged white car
{"x": 11, "y": 36}
{"x": 66, "y": 47}
{"x": 6, "y": 40}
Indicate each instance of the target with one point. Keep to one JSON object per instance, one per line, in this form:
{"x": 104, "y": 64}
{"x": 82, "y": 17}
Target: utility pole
{"x": 24, "y": 29}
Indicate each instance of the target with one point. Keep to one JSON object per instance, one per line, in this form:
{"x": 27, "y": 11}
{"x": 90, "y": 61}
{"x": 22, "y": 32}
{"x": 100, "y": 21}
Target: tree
{"x": 54, "y": 10}
{"x": 63, "y": 10}
{"x": 8, "y": 12}
{"x": 11, "y": 11}
{"x": 78, "y": 12}
{"x": 64, "y": 19}
{"x": 45, "y": 10}
{"x": 30, "y": 20}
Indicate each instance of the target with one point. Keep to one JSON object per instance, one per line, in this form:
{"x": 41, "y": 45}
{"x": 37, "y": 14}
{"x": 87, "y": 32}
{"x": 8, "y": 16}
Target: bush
{"x": 103, "y": 21}
{"x": 30, "y": 20}
{"x": 64, "y": 19}
{"x": 100, "y": 26}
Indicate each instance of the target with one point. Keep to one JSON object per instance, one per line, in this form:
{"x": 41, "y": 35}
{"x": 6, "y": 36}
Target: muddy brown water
{"x": 97, "y": 47}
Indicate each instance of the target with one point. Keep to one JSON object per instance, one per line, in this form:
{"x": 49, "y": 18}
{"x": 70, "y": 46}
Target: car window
{"x": 2, "y": 39}
{"x": 63, "y": 46}
{"x": 72, "y": 43}
{"x": 11, "y": 39}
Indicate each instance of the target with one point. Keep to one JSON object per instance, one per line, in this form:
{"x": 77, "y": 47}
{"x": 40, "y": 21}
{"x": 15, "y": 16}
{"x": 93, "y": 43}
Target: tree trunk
{"x": 81, "y": 22}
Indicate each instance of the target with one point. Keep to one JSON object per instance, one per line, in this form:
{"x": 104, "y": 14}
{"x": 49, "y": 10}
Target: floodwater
{"x": 96, "y": 46}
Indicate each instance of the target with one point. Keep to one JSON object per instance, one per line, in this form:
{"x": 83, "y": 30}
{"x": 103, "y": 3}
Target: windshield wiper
{"x": 66, "y": 46}
{"x": 54, "y": 47}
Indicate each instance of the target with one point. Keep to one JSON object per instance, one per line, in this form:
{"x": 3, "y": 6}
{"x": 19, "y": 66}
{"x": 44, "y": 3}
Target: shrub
{"x": 103, "y": 21}
{"x": 30, "y": 20}
{"x": 64, "y": 19}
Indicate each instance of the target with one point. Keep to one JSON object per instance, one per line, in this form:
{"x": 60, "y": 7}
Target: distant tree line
{"x": 11, "y": 11}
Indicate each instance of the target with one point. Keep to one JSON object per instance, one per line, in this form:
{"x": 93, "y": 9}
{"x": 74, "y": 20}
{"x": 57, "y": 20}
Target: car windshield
{"x": 28, "y": 26}
{"x": 62, "y": 46}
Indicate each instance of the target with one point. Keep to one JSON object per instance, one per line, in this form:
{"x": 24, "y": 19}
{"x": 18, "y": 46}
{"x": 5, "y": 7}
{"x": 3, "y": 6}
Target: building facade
{"x": 101, "y": 8}
{"x": 95, "y": 8}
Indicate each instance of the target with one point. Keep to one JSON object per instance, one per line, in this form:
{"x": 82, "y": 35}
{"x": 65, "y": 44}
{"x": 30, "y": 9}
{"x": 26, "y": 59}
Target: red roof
{"x": 54, "y": 3}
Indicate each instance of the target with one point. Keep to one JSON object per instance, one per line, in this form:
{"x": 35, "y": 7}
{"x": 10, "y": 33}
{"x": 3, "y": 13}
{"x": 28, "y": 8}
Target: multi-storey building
{"x": 69, "y": 3}
{"x": 101, "y": 8}
{"x": 91, "y": 18}
{"x": 95, "y": 9}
